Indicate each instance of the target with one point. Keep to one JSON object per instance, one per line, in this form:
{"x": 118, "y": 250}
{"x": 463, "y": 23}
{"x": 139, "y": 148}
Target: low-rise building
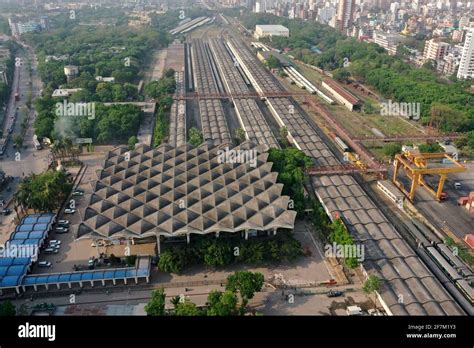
{"x": 388, "y": 41}
{"x": 65, "y": 92}
{"x": 341, "y": 95}
{"x": 105, "y": 79}
{"x": 271, "y": 30}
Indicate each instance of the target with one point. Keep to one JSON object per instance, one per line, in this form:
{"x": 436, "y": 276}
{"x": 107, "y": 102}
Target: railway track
{"x": 408, "y": 286}
{"x": 213, "y": 122}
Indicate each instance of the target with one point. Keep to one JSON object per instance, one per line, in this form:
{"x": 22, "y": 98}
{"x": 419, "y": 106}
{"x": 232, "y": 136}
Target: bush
{"x": 217, "y": 254}
{"x": 391, "y": 149}
{"x": 170, "y": 262}
{"x": 211, "y": 251}
{"x": 130, "y": 260}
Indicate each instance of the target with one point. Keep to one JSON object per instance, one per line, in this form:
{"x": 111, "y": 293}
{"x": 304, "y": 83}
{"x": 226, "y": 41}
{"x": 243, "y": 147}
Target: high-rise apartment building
{"x": 435, "y": 50}
{"x": 345, "y": 13}
{"x": 466, "y": 66}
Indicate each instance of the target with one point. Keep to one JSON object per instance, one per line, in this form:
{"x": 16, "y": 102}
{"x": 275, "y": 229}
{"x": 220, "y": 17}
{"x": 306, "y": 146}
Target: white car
{"x": 51, "y": 250}
{"x": 69, "y": 211}
{"x": 54, "y": 242}
{"x": 44, "y": 264}
{"x": 63, "y": 222}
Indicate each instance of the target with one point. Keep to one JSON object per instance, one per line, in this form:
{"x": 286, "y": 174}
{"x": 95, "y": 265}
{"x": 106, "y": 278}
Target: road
{"x": 447, "y": 216}
{"x": 21, "y": 162}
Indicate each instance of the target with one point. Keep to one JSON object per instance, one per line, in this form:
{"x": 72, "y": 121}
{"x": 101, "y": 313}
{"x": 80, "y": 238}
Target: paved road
{"x": 21, "y": 162}
{"x": 447, "y": 216}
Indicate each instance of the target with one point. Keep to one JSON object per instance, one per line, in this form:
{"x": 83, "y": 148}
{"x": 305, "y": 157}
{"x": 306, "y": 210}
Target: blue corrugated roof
{"x": 84, "y": 276}
{"x": 10, "y": 281}
{"x": 37, "y": 234}
{"x": 17, "y": 270}
{"x": 21, "y": 260}
{"x": 3, "y": 271}
{"x": 7, "y": 261}
{"x": 19, "y": 235}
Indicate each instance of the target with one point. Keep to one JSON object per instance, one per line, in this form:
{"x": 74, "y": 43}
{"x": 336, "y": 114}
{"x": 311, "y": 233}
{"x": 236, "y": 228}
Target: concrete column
{"x": 92, "y": 283}
{"x": 113, "y": 281}
{"x": 274, "y": 231}
{"x": 46, "y": 286}
{"x": 125, "y": 281}
{"x": 158, "y": 244}
{"x": 69, "y": 285}
{"x": 217, "y": 234}
{"x": 246, "y": 234}
{"x": 58, "y": 286}
{"x": 80, "y": 284}
{"x": 147, "y": 279}
{"x": 35, "y": 287}
{"x": 188, "y": 238}
{"x": 103, "y": 282}
{"x": 17, "y": 289}
{"x": 136, "y": 280}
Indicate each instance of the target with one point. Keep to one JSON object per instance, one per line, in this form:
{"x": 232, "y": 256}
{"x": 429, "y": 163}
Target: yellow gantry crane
{"x": 417, "y": 165}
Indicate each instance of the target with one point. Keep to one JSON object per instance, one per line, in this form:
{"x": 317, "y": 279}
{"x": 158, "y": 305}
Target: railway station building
{"x": 175, "y": 192}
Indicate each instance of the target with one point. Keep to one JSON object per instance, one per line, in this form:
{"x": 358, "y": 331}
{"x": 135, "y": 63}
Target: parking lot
{"x": 73, "y": 252}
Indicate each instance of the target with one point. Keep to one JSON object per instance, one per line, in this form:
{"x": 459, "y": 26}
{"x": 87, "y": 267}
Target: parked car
{"x": 62, "y": 230}
{"x": 69, "y": 211}
{"x": 457, "y": 185}
{"x": 6, "y": 211}
{"x": 354, "y": 310}
{"x": 44, "y": 264}
{"x": 78, "y": 193}
{"x": 91, "y": 263}
{"x": 334, "y": 293}
{"x": 54, "y": 242}
{"x": 63, "y": 223}
{"x": 51, "y": 250}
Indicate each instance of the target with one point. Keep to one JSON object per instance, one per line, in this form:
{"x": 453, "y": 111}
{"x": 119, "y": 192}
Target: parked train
{"x": 342, "y": 145}
{"x": 303, "y": 83}
{"x": 457, "y": 272}
{"x": 450, "y": 264}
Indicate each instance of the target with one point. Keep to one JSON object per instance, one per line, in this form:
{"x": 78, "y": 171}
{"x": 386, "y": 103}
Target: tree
{"x": 429, "y": 64}
{"x": 18, "y": 140}
{"x": 187, "y": 308}
{"x": 222, "y": 304}
{"x": 341, "y": 75}
{"x": 371, "y": 285}
{"x": 161, "y": 87}
{"x": 132, "y": 142}
{"x": 7, "y": 309}
{"x": 156, "y": 306}
{"x": 273, "y": 62}
{"x": 217, "y": 254}
{"x": 175, "y": 300}
{"x": 391, "y": 149}
{"x": 430, "y": 147}
{"x": 290, "y": 164}
{"x": 170, "y": 262}
{"x": 284, "y": 135}
{"x": 246, "y": 283}
{"x": 195, "y": 137}
{"x": 43, "y": 192}
{"x": 342, "y": 237}
{"x": 240, "y": 135}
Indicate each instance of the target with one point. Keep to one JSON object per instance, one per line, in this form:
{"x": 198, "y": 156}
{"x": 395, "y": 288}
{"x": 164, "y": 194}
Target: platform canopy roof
{"x": 176, "y": 191}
